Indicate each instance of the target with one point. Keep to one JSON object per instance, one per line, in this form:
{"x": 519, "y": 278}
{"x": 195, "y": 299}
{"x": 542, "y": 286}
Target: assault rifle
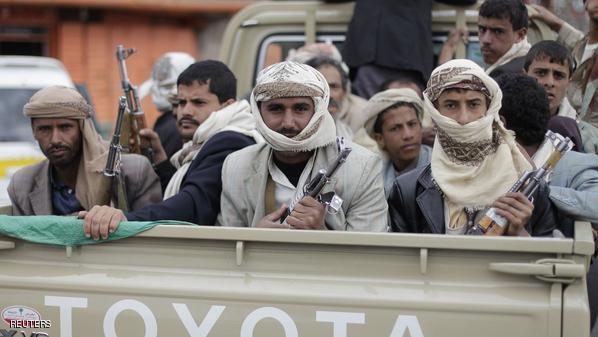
{"x": 111, "y": 175}
{"x": 555, "y": 146}
{"x": 136, "y": 116}
{"x": 314, "y": 187}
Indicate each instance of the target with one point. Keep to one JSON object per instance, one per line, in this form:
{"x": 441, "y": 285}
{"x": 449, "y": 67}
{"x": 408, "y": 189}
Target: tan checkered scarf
{"x": 476, "y": 163}
{"x": 291, "y": 79}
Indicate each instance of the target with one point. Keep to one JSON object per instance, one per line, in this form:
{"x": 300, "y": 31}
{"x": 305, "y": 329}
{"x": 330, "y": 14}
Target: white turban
{"x": 475, "y": 163}
{"x": 291, "y": 79}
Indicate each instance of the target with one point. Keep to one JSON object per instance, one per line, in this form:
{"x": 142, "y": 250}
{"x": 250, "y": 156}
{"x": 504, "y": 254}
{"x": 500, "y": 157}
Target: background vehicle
{"x": 20, "y": 78}
{"x": 264, "y": 32}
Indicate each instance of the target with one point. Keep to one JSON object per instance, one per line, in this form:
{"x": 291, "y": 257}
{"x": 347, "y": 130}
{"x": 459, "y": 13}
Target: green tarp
{"x": 67, "y": 230}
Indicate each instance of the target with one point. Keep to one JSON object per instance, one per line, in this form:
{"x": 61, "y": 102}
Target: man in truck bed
{"x": 290, "y": 106}
{"x": 475, "y": 161}
{"x": 67, "y": 180}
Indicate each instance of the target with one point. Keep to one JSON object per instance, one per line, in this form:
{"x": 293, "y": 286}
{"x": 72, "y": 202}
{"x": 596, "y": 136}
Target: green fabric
{"x": 68, "y": 230}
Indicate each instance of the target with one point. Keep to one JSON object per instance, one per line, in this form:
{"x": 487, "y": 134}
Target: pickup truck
{"x": 185, "y": 280}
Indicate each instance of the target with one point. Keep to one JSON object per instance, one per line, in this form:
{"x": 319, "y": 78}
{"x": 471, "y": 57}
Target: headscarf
{"x": 385, "y": 99}
{"x": 63, "y": 102}
{"x": 291, "y": 79}
{"x": 518, "y": 49}
{"x": 234, "y": 117}
{"x": 476, "y": 163}
{"x": 165, "y": 72}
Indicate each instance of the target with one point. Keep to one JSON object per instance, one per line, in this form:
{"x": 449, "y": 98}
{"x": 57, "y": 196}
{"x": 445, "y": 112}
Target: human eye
{"x": 540, "y": 72}
{"x": 559, "y": 76}
{"x": 197, "y": 102}
{"x": 181, "y": 102}
{"x": 497, "y": 31}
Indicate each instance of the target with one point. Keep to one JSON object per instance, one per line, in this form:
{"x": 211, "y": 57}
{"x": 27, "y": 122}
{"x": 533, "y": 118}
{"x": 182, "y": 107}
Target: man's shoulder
{"x": 29, "y": 171}
{"x": 131, "y": 160}
{"x": 226, "y": 140}
{"x": 248, "y": 154}
{"x": 573, "y": 160}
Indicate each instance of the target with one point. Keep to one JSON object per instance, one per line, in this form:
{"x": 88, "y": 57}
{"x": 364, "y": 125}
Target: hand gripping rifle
{"x": 313, "y": 188}
{"x": 136, "y": 115}
{"x": 111, "y": 176}
{"x": 527, "y": 184}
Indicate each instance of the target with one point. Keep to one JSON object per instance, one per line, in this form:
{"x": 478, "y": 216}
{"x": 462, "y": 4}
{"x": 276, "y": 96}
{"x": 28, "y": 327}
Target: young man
{"x": 584, "y": 50}
{"x": 574, "y": 182}
{"x": 217, "y": 125}
{"x": 395, "y": 123}
{"x": 551, "y": 64}
{"x": 475, "y": 161}
{"x": 502, "y": 29}
{"x": 66, "y": 181}
{"x": 290, "y": 106}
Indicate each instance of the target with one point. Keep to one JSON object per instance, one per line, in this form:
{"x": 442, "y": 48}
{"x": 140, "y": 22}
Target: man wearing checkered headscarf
{"x": 290, "y": 107}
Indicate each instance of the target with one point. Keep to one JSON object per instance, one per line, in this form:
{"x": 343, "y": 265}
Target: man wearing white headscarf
{"x": 162, "y": 86}
{"x": 394, "y": 121}
{"x": 502, "y": 26}
{"x": 66, "y": 181}
{"x": 290, "y": 107}
{"x": 475, "y": 161}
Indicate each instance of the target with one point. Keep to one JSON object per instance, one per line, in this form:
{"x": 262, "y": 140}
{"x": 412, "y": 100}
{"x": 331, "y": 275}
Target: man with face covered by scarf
{"x": 475, "y": 161}
{"x": 289, "y": 104}
{"x": 66, "y": 181}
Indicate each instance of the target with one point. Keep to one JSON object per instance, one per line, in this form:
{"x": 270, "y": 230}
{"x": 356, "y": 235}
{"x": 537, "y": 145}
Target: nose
{"x": 485, "y": 37}
{"x": 408, "y": 133}
{"x": 185, "y": 109}
{"x": 463, "y": 115}
{"x": 56, "y": 137}
{"x": 549, "y": 80}
{"x": 288, "y": 121}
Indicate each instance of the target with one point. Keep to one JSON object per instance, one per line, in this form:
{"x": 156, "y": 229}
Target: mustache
{"x": 58, "y": 147}
{"x": 188, "y": 120}
{"x": 288, "y": 131}
{"x": 333, "y": 103}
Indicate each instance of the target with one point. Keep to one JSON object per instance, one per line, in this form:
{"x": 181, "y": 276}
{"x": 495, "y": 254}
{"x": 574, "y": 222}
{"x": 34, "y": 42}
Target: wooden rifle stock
{"x": 136, "y": 115}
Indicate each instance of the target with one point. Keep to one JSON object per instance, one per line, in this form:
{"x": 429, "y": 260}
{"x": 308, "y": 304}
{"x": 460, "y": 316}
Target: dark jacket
{"x": 392, "y": 33}
{"x": 515, "y": 66}
{"x": 198, "y": 200}
{"x": 170, "y": 137}
{"x": 425, "y": 212}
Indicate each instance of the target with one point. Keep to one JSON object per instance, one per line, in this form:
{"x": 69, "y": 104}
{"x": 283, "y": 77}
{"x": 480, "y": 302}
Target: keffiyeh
{"x": 475, "y": 163}
{"x": 291, "y": 79}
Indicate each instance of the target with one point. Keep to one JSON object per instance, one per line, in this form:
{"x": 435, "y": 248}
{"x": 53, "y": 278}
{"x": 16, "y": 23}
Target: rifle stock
{"x": 136, "y": 116}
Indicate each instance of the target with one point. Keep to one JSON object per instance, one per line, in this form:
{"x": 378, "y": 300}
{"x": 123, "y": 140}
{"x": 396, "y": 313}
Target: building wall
{"x": 88, "y": 51}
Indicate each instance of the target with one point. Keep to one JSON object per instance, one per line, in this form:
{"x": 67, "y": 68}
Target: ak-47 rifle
{"x": 111, "y": 175}
{"x": 557, "y": 145}
{"x": 136, "y": 115}
{"x": 314, "y": 187}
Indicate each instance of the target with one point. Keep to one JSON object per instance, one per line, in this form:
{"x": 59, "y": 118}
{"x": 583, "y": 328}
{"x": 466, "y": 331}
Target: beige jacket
{"x": 358, "y": 182}
{"x": 30, "y": 192}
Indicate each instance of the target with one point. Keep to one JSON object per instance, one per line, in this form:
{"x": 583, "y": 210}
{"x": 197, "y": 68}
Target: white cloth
{"x": 470, "y": 175}
{"x": 234, "y": 117}
{"x": 588, "y": 52}
{"x": 567, "y": 110}
{"x": 291, "y": 79}
{"x": 517, "y": 50}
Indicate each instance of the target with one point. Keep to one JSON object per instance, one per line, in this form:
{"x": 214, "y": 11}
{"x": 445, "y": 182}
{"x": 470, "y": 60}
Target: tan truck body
{"x": 202, "y": 281}
{"x": 225, "y": 282}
